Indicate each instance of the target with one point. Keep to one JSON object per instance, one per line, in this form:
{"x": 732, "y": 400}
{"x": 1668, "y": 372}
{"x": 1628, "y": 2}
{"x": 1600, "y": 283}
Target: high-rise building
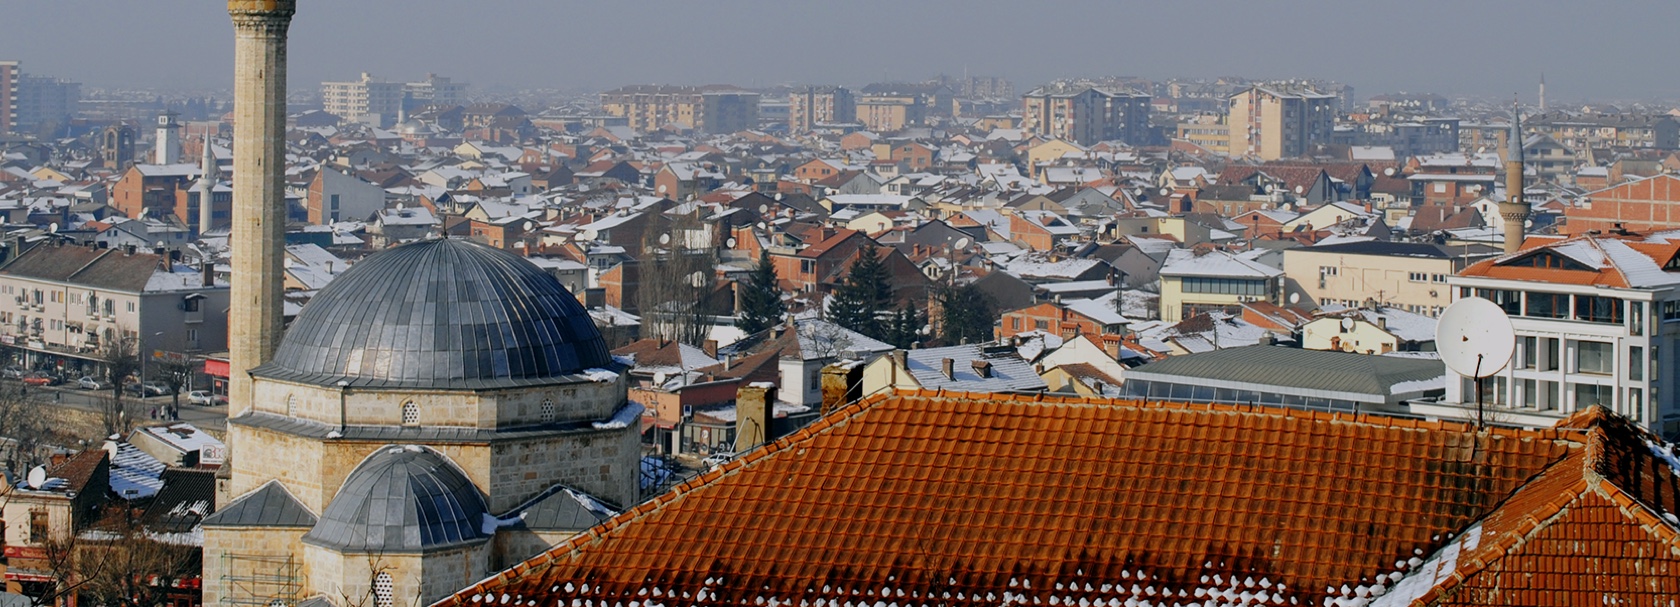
{"x": 813, "y": 105}
{"x": 708, "y": 109}
{"x": 1086, "y": 114}
{"x": 1280, "y": 121}
{"x": 45, "y": 103}
{"x": 434, "y": 90}
{"x": 368, "y": 100}
{"x": 9, "y": 74}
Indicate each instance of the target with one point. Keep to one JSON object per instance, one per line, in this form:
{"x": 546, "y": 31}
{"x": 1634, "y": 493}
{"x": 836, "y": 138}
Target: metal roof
{"x": 403, "y": 498}
{"x": 1295, "y": 368}
{"x": 269, "y": 506}
{"x": 439, "y": 314}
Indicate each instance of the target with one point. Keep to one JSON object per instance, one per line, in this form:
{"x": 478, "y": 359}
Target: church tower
{"x": 1515, "y": 210}
{"x": 259, "y": 188}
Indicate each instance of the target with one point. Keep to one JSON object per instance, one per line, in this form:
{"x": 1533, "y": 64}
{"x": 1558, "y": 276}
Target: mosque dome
{"x": 403, "y": 498}
{"x": 439, "y": 314}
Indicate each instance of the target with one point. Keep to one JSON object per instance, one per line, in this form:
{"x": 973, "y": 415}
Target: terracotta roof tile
{"x": 974, "y": 494}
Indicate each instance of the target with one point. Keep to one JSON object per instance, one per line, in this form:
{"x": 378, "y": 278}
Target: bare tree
{"x": 120, "y": 563}
{"x": 176, "y": 372}
{"x": 24, "y": 427}
{"x": 676, "y": 276}
{"x": 121, "y": 360}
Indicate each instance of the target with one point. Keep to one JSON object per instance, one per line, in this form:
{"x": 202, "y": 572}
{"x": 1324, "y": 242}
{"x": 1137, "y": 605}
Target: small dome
{"x": 403, "y": 498}
{"x": 439, "y": 314}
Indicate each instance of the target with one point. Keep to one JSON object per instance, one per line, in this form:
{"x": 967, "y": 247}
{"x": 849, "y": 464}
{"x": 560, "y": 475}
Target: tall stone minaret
{"x": 1542, "y": 92}
{"x": 259, "y": 190}
{"x": 207, "y": 188}
{"x": 1515, "y": 209}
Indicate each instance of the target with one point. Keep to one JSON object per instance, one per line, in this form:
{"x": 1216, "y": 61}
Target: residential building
{"x": 708, "y": 109}
{"x": 885, "y": 107}
{"x": 368, "y": 100}
{"x": 153, "y": 189}
{"x": 989, "y": 367}
{"x": 1209, "y": 132}
{"x": 1096, "y": 319}
{"x": 1279, "y": 376}
{"x": 40, "y": 520}
{"x": 1273, "y": 122}
{"x": 334, "y": 196}
{"x": 1405, "y": 275}
{"x": 45, "y": 104}
{"x": 65, "y": 306}
{"x": 1583, "y": 133}
{"x": 1086, "y": 114}
{"x": 434, "y": 91}
{"x": 1370, "y": 329}
{"x": 1591, "y": 317}
{"x": 10, "y": 73}
{"x": 813, "y": 105}
{"x": 1642, "y": 205}
{"x": 1203, "y": 280}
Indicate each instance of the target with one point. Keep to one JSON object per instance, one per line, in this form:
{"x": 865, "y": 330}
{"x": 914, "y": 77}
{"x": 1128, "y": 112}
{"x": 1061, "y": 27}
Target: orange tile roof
{"x": 964, "y": 498}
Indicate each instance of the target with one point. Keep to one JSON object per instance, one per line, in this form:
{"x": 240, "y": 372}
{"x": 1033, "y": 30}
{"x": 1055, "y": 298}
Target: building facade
{"x": 367, "y": 100}
{"x": 1086, "y": 114}
{"x": 1409, "y": 276}
{"x": 1193, "y": 282}
{"x": 814, "y": 105}
{"x": 1273, "y": 122}
{"x": 708, "y": 109}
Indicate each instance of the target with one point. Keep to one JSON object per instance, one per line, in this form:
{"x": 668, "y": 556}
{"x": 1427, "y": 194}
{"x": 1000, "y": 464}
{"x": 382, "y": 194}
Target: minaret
{"x": 1514, "y": 210}
{"x": 1542, "y": 92}
{"x": 259, "y": 193}
{"x": 207, "y": 188}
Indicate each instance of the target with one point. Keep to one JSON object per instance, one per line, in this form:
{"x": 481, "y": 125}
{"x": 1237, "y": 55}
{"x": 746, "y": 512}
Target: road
{"x": 209, "y": 418}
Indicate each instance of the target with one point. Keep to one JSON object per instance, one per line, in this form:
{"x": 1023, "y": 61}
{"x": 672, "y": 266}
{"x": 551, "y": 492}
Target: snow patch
{"x": 630, "y": 413}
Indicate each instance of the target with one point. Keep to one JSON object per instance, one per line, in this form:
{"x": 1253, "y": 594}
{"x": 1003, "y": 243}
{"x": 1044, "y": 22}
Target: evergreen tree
{"x": 966, "y": 315}
{"x": 761, "y": 298}
{"x": 905, "y": 330}
{"x": 863, "y": 303}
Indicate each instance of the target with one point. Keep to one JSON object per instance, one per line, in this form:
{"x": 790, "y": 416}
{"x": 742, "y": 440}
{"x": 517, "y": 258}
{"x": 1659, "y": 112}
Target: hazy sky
{"x": 1600, "y": 50}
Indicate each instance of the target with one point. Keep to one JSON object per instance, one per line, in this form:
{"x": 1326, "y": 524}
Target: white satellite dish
{"x": 763, "y": 209}
{"x": 1294, "y": 298}
{"x": 52, "y": 228}
{"x": 659, "y": 378}
{"x": 1300, "y": 189}
{"x": 1475, "y": 337}
{"x": 1389, "y": 171}
{"x": 37, "y": 477}
{"x": 729, "y": 243}
{"x": 962, "y": 243}
{"x": 1165, "y": 191}
{"x": 1347, "y": 323}
{"x": 664, "y": 239}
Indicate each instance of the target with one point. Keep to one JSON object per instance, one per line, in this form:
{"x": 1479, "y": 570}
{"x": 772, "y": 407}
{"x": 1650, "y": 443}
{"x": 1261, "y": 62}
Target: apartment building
{"x": 1086, "y": 114}
{"x": 10, "y": 73}
{"x": 44, "y": 104}
{"x": 63, "y": 306}
{"x": 369, "y": 100}
{"x": 1409, "y": 276}
{"x": 708, "y": 109}
{"x": 1196, "y": 281}
{"x": 1596, "y": 319}
{"x": 1282, "y": 121}
{"x": 436, "y": 91}
{"x": 1586, "y": 132}
{"x": 813, "y": 105}
{"x": 1206, "y": 131}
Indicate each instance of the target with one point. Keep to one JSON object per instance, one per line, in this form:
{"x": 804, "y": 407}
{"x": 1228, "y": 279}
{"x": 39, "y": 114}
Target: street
{"x": 213, "y": 419}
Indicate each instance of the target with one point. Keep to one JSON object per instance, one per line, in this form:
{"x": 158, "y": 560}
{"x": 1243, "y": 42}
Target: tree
{"x": 175, "y": 372}
{"x": 761, "y": 298}
{"x": 23, "y": 427}
{"x": 120, "y": 360}
{"x": 675, "y": 279}
{"x": 123, "y": 564}
{"x": 966, "y": 314}
{"x": 905, "y": 331}
{"x": 864, "y": 301}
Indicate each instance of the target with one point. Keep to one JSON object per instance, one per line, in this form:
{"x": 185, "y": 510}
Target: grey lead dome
{"x": 403, "y": 498}
{"x": 449, "y": 314}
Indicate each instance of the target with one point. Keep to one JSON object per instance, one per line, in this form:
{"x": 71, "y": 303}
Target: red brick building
{"x": 1646, "y": 205}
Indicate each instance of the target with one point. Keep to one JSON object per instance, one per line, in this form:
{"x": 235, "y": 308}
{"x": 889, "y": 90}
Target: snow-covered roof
{"x": 1214, "y": 264}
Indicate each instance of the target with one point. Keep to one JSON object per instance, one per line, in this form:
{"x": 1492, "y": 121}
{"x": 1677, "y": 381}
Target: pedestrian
{"x": 152, "y": 412}
{"x": 58, "y": 397}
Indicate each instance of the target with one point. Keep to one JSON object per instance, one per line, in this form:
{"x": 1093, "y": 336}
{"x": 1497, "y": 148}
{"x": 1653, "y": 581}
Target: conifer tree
{"x": 761, "y": 298}
{"x": 966, "y": 315}
{"x": 863, "y": 303}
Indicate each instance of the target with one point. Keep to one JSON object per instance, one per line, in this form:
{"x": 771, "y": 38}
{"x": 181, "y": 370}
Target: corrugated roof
{"x": 269, "y": 506}
{"x": 1295, "y": 368}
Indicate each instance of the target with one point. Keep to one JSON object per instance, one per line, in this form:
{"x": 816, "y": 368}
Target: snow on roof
{"x": 1044, "y": 268}
{"x": 1009, "y": 372}
{"x": 1100, "y": 310}
{"x": 1215, "y": 264}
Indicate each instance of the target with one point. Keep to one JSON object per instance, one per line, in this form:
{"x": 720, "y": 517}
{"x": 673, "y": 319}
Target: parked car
{"x": 40, "y": 379}
{"x": 12, "y": 373}
{"x": 154, "y": 389}
{"x": 88, "y": 383}
{"x": 205, "y": 398}
{"x": 133, "y": 389}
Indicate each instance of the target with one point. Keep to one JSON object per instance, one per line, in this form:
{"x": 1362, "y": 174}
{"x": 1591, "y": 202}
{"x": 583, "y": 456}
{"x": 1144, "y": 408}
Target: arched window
{"x": 384, "y": 591}
{"x": 291, "y": 405}
{"x": 547, "y": 410}
{"x": 410, "y": 414}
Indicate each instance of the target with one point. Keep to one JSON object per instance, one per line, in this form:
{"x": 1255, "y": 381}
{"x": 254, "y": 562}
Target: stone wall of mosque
{"x": 246, "y": 565}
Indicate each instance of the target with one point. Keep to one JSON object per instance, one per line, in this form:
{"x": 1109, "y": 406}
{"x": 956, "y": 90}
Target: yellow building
{"x": 708, "y": 109}
{"x": 1275, "y": 122}
{"x": 1210, "y": 133}
{"x": 1193, "y": 282}
{"x": 1043, "y": 154}
{"x": 1409, "y": 276}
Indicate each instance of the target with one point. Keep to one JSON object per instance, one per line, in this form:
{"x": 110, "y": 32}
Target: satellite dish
{"x": 661, "y": 189}
{"x": 659, "y": 378}
{"x": 664, "y": 239}
{"x": 1294, "y": 298}
{"x": 1347, "y": 323}
{"x": 37, "y": 476}
{"x": 763, "y": 209}
{"x": 1389, "y": 171}
{"x": 52, "y": 228}
{"x": 1165, "y": 191}
{"x": 962, "y": 243}
{"x": 729, "y": 243}
{"x": 1475, "y": 337}
{"x": 1300, "y": 189}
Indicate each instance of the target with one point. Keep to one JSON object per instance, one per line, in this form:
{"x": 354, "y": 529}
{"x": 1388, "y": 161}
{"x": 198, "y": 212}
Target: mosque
{"x": 442, "y": 410}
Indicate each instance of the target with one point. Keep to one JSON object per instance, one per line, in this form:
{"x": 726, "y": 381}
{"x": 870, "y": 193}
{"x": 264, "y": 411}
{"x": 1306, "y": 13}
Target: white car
{"x": 88, "y": 383}
{"x": 205, "y": 398}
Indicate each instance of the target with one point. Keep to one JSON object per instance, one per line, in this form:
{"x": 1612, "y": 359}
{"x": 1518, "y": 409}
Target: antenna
{"x": 1476, "y": 340}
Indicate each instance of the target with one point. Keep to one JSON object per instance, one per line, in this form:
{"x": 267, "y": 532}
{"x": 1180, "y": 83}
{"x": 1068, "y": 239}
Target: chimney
{"x": 208, "y": 269}
{"x": 754, "y": 411}
{"x": 710, "y": 346}
{"x": 840, "y": 384}
{"x": 983, "y": 369}
{"x": 949, "y": 368}
{"x": 594, "y": 297}
{"x": 899, "y": 359}
{"x": 1382, "y": 322}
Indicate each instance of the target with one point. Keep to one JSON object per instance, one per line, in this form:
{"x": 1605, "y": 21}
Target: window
{"x": 1042, "y": 325}
{"x": 131, "y": 306}
{"x": 1593, "y": 308}
{"x": 1438, "y": 278}
{"x": 37, "y": 526}
{"x": 1527, "y": 347}
{"x": 1548, "y": 305}
{"x": 1593, "y": 357}
{"x": 1224, "y": 286}
{"x": 190, "y": 304}
{"x": 1329, "y": 271}
{"x": 1587, "y": 395}
{"x": 1510, "y": 301}
{"x": 291, "y": 405}
{"x": 110, "y": 308}
{"x": 410, "y": 414}
{"x": 1671, "y": 310}
{"x": 384, "y": 590}
{"x": 1548, "y": 356}
{"x": 547, "y": 410}
{"x": 1636, "y": 404}
{"x": 1636, "y": 317}
{"x": 1636, "y": 363}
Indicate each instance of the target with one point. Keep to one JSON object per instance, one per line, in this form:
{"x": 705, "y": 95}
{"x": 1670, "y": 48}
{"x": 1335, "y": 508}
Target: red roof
{"x": 955, "y": 498}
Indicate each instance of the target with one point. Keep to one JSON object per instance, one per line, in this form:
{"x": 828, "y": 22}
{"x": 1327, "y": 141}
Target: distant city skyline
{"x": 1487, "y": 49}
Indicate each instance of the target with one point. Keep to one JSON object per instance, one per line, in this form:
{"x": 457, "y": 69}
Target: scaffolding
{"x": 261, "y": 580}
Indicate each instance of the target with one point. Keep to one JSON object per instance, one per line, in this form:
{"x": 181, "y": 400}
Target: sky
{"x": 1619, "y": 49}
